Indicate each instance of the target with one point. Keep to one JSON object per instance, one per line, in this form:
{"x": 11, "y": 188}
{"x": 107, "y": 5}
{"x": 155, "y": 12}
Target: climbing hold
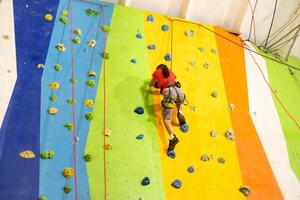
{"x": 54, "y": 85}
{"x": 67, "y": 188}
{"x": 150, "y": 18}
{"x": 40, "y": 66}
{"x": 133, "y": 61}
{"x": 48, "y": 17}
{"x": 47, "y": 154}
{"x": 201, "y": 49}
{"x": 165, "y": 27}
{"x": 53, "y": 98}
{"x": 107, "y": 132}
{"x": 92, "y": 12}
{"x": 71, "y": 101}
{"x": 213, "y": 133}
{"x": 151, "y": 46}
{"x": 193, "y": 108}
{"x": 231, "y": 107}
{"x": 76, "y": 40}
{"x": 140, "y": 136}
{"x": 177, "y": 184}
{"x": 206, "y": 65}
{"x": 68, "y": 172}
{"x": 73, "y": 80}
{"x": 89, "y": 116}
{"x": 168, "y": 57}
{"x": 61, "y": 47}
{"x": 88, "y": 103}
{"x": 205, "y": 157}
{"x": 191, "y": 169}
{"x": 221, "y": 160}
{"x": 139, "y": 110}
{"x": 78, "y": 31}
{"x": 245, "y": 190}
{"x": 171, "y": 154}
{"x": 92, "y": 73}
{"x": 184, "y": 128}
{"x": 43, "y": 198}
{"x": 92, "y": 43}
{"x": 87, "y": 157}
{"x": 146, "y": 181}
{"x": 213, "y": 51}
{"x": 193, "y": 62}
{"x": 27, "y": 154}
{"x": 69, "y": 126}
{"x": 214, "y": 94}
{"x": 139, "y": 36}
{"x": 63, "y": 19}
{"x": 189, "y": 33}
{"x": 229, "y": 134}
{"x": 105, "y": 28}
{"x": 64, "y": 12}
{"x": 91, "y": 83}
{"x": 105, "y": 55}
{"x": 5, "y": 37}
{"x": 108, "y": 146}
{"x": 57, "y": 67}
{"x": 52, "y": 111}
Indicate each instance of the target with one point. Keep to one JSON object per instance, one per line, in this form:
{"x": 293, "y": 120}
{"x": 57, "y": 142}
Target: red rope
{"x": 273, "y": 92}
{"x": 104, "y": 103}
{"x": 73, "y": 105}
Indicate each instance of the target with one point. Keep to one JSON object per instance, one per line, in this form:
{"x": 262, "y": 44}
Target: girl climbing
{"x": 165, "y": 80}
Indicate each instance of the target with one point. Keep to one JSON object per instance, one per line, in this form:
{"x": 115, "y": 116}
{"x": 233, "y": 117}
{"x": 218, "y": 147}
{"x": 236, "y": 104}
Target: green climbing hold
{"x": 73, "y": 80}
{"x": 105, "y": 28}
{"x": 69, "y": 126}
{"x": 89, "y": 116}
{"x": 87, "y": 157}
{"x": 71, "y": 101}
{"x": 105, "y": 55}
{"x": 76, "y": 40}
{"x": 57, "y": 67}
{"x": 47, "y": 154}
{"x": 63, "y": 19}
{"x": 53, "y": 98}
{"x": 67, "y": 188}
{"x": 214, "y": 94}
{"x": 91, "y": 83}
{"x": 92, "y": 12}
{"x": 43, "y": 198}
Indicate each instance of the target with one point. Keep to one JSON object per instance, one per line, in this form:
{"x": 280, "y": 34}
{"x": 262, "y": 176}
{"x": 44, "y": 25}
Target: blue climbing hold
{"x": 139, "y": 36}
{"x": 168, "y": 57}
{"x": 150, "y": 18}
{"x": 191, "y": 169}
{"x": 139, "y": 110}
{"x": 151, "y": 46}
{"x": 184, "y": 128}
{"x": 140, "y": 136}
{"x": 165, "y": 27}
{"x": 171, "y": 154}
{"x": 146, "y": 181}
{"x": 177, "y": 184}
{"x": 133, "y": 61}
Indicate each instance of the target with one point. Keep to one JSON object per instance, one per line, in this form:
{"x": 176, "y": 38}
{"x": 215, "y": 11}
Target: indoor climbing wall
{"x": 96, "y": 129}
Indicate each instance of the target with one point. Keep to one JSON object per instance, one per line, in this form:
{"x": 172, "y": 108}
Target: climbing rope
{"x": 273, "y": 92}
{"x": 73, "y": 104}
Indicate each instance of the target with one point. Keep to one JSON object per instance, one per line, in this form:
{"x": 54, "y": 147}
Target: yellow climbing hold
{"x": 68, "y": 172}
{"x": 61, "y": 47}
{"x": 27, "y": 154}
{"x": 92, "y": 73}
{"x": 92, "y": 43}
{"x": 64, "y": 12}
{"x": 108, "y": 146}
{"x": 48, "y": 17}
{"x": 54, "y": 85}
{"x": 52, "y": 111}
{"x": 89, "y": 103}
{"x": 78, "y": 31}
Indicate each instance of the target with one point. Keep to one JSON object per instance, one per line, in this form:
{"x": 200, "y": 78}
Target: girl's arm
{"x": 152, "y": 82}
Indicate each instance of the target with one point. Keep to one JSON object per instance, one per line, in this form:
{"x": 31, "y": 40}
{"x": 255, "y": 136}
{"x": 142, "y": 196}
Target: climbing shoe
{"x": 172, "y": 143}
{"x": 181, "y": 118}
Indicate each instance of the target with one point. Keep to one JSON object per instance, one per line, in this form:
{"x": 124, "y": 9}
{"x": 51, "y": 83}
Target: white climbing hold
{"x": 206, "y": 65}
{"x": 193, "y": 62}
{"x": 39, "y": 66}
{"x": 213, "y": 133}
{"x": 231, "y": 107}
{"x": 229, "y": 134}
{"x": 189, "y": 33}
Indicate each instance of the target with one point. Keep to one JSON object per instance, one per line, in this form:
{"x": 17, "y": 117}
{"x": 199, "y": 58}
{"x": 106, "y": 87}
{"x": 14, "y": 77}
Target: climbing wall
{"x": 96, "y": 129}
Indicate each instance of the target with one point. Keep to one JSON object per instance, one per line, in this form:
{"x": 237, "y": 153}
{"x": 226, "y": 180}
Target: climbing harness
{"x": 170, "y": 104}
